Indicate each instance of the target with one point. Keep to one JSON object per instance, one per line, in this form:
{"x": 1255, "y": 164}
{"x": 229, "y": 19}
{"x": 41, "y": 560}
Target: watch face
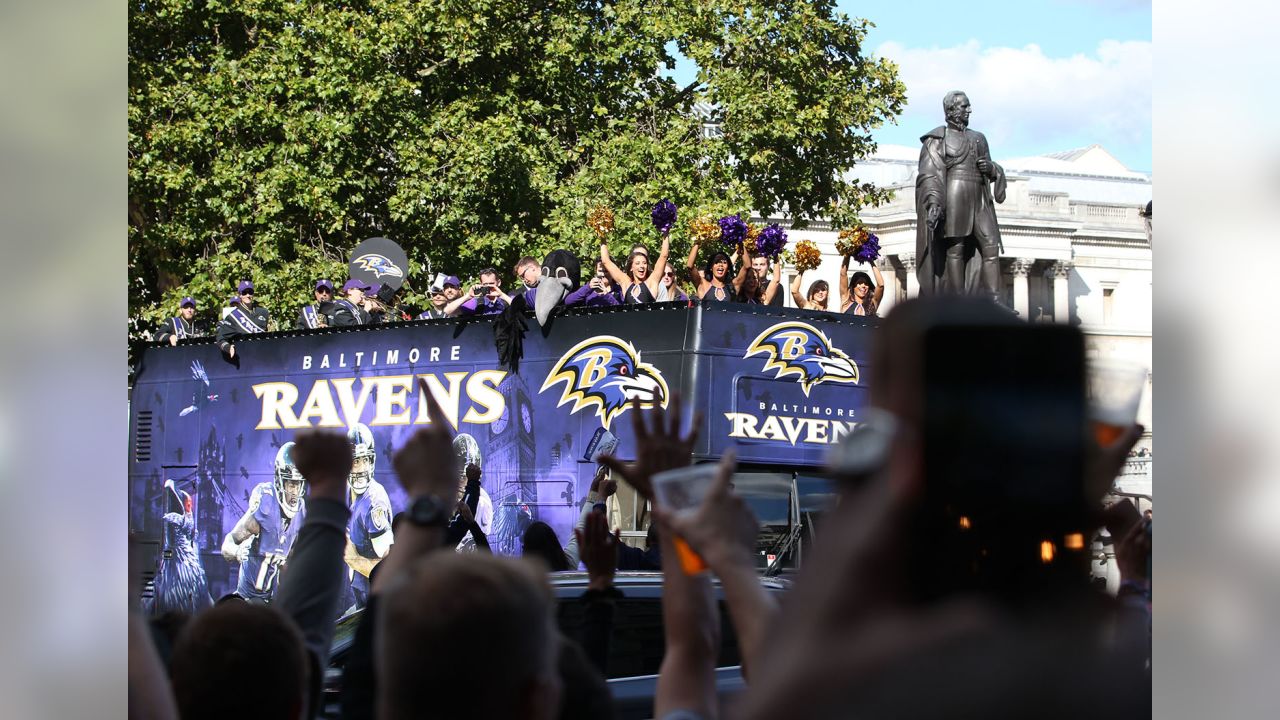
{"x": 501, "y": 423}
{"x": 525, "y": 418}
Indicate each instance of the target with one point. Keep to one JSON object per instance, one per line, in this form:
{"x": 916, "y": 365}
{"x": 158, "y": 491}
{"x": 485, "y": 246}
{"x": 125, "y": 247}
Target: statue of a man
{"x": 957, "y": 238}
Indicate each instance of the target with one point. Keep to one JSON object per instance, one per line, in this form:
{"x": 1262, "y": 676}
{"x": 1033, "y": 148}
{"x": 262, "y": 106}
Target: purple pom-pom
{"x": 733, "y": 230}
{"x": 664, "y": 216}
{"x": 771, "y": 241}
{"x": 869, "y": 251}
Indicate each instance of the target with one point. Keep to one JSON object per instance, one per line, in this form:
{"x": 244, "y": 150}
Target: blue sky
{"x": 1042, "y": 75}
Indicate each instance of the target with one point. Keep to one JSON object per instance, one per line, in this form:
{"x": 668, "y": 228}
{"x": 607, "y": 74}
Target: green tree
{"x": 268, "y": 137}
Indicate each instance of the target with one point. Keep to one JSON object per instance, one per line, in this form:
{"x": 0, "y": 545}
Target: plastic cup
{"x": 680, "y": 492}
{"x": 1115, "y": 393}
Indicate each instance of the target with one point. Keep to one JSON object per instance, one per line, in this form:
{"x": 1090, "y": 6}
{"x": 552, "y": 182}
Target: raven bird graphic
{"x": 606, "y": 372}
{"x": 180, "y": 583}
{"x": 379, "y": 265}
{"x": 796, "y": 348}
{"x": 202, "y": 395}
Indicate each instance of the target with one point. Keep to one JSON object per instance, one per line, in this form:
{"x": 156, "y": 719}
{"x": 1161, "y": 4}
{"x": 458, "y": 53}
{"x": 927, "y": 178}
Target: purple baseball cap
{"x": 324, "y": 284}
{"x": 245, "y": 285}
{"x": 354, "y": 284}
{"x": 453, "y": 280}
{"x": 187, "y": 301}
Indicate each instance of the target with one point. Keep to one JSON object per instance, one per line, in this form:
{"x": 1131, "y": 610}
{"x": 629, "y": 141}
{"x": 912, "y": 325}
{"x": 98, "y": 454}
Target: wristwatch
{"x": 427, "y": 511}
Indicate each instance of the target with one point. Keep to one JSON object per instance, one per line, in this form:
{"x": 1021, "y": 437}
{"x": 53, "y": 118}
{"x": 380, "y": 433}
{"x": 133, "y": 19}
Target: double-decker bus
{"x": 780, "y": 385}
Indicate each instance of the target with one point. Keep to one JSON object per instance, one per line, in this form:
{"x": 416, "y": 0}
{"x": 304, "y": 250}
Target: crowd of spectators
{"x": 451, "y": 634}
{"x": 756, "y": 281}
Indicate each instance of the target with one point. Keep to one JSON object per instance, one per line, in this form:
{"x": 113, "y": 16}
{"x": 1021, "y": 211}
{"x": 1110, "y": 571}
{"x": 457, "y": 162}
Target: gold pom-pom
{"x": 601, "y": 220}
{"x": 704, "y": 230}
{"x": 807, "y": 256}
{"x": 851, "y": 239}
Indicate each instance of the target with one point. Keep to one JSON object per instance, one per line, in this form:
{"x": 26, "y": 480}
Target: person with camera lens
{"x": 483, "y": 298}
{"x": 597, "y": 292}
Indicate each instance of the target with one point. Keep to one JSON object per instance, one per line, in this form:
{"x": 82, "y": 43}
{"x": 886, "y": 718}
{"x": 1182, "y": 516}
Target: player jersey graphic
{"x": 260, "y": 572}
{"x": 370, "y": 518}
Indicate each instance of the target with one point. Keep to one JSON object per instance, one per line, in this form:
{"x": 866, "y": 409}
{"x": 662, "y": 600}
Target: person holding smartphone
{"x": 599, "y": 291}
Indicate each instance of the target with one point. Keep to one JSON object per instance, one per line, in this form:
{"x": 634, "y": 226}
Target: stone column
{"x": 1061, "y": 295}
{"x": 1021, "y": 294}
{"x": 913, "y": 282}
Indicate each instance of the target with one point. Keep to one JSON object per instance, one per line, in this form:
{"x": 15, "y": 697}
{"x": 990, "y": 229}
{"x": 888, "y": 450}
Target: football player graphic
{"x": 369, "y": 534}
{"x": 264, "y": 535}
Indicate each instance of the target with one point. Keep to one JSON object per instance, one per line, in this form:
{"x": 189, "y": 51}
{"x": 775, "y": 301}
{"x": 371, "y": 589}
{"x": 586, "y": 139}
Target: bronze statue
{"x": 957, "y": 239}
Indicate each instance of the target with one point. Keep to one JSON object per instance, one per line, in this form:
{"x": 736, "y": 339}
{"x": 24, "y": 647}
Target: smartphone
{"x": 1004, "y": 441}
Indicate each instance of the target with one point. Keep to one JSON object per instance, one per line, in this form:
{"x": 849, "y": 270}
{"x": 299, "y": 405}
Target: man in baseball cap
{"x": 246, "y": 317}
{"x": 438, "y": 301}
{"x": 350, "y": 310}
{"x": 320, "y": 313}
{"x": 183, "y": 325}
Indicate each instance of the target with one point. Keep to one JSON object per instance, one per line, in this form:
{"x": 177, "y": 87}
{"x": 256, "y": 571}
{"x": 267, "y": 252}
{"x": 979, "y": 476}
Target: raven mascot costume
{"x": 561, "y": 275}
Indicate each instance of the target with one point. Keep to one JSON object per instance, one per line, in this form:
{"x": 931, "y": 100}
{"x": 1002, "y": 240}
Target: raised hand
{"x": 723, "y": 529}
{"x": 599, "y": 550}
{"x": 324, "y": 458}
{"x": 659, "y": 445}
{"x": 426, "y": 464}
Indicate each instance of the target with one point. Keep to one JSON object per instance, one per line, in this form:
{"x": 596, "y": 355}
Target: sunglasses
{"x": 246, "y": 292}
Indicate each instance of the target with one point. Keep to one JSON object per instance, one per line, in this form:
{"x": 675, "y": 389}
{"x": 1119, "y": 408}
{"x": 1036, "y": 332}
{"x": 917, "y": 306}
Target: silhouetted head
{"x": 540, "y": 541}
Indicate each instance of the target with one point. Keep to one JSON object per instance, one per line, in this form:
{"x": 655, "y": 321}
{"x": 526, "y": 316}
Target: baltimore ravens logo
{"x": 379, "y": 265}
{"x": 606, "y": 372}
{"x": 796, "y": 348}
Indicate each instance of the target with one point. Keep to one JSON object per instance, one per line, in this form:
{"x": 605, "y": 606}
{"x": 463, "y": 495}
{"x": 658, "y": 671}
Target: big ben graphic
{"x": 509, "y": 472}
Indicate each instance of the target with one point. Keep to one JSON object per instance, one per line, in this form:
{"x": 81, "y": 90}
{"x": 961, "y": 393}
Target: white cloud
{"x": 1023, "y": 98}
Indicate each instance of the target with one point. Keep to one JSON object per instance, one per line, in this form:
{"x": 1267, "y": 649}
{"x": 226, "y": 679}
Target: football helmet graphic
{"x": 467, "y": 450}
{"x": 361, "y": 439}
{"x": 289, "y": 484}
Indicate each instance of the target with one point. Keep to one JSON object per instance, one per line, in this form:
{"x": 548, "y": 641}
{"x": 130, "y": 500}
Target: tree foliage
{"x": 268, "y": 137}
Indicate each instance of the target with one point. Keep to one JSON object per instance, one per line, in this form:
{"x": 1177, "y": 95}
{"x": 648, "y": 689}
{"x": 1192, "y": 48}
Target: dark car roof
{"x": 569, "y": 585}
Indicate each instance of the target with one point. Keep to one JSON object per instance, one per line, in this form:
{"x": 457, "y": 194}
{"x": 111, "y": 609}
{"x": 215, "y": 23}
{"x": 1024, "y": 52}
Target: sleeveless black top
{"x": 715, "y": 294}
{"x": 637, "y": 294}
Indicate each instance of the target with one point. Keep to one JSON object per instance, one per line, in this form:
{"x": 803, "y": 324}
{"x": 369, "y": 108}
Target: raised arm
{"x": 654, "y": 281}
{"x": 426, "y": 467}
{"x": 456, "y": 304}
{"x": 878, "y": 294}
{"x": 699, "y": 282}
{"x": 311, "y": 594}
{"x": 795, "y": 292}
{"x": 723, "y": 532}
{"x": 612, "y": 268}
{"x": 772, "y": 288}
{"x": 843, "y": 282}
{"x": 691, "y": 621}
{"x": 744, "y": 266}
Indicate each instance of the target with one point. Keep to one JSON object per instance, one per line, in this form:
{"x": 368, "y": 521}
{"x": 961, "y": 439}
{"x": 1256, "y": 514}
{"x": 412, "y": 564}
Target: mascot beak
{"x": 173, "y": 499}
{"x": 551, "y": 292}
{"x": 839, "y": 367}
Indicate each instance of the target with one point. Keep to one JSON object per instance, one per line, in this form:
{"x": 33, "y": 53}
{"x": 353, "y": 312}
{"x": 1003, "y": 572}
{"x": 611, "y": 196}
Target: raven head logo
{"x": 379, "y": 265}
{"x": 605, "y": 371}
{"x": 796, "y": 348}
